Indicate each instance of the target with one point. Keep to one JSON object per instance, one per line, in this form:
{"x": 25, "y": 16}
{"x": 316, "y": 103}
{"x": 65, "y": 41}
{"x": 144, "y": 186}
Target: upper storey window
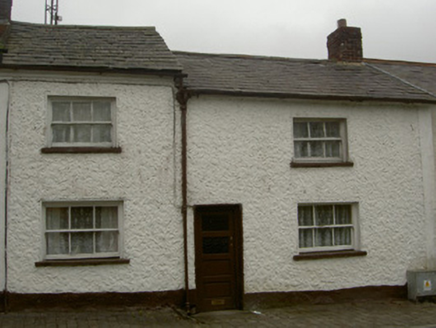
{"x": 82, "y": 122}
{"x": 320, "y": 140}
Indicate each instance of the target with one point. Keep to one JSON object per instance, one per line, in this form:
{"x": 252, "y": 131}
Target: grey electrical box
{"x": 421, "y": 283}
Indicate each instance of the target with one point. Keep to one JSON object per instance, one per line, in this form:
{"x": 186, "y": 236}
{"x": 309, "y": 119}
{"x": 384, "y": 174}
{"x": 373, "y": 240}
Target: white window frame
{"x": 353, "y": 225}
{"x": 52, "y": 99}
{"x": 70, "y": 204}
{"x": 342, "y": 138}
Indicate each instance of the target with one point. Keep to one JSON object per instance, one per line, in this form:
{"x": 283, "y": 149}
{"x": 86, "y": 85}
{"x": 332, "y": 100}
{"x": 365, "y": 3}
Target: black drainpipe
{"x": 182, "y": 98}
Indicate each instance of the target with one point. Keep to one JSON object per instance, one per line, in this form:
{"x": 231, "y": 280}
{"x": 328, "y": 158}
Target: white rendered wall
{"x": 428, "y": 168}
{"x": 240, "y": 152}
{"x": 143, "y": 176}
{"x": 4, "y": 97}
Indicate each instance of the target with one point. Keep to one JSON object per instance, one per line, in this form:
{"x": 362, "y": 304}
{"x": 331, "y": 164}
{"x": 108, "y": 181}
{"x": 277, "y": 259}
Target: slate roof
{"x": 142, "y": 49}
{"x": 123, "y": 48}
{"x": 421, "y": 75}
{"x": 298, "y": 78}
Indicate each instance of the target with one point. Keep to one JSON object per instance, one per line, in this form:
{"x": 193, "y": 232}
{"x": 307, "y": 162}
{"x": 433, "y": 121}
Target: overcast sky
{"x": 392, "y": 29}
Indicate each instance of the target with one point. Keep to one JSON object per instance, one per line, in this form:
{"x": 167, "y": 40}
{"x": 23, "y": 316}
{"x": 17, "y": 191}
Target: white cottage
{"x": 307, "y": 180}
{"x": 133, "y": 174}
{"x": 93, "y": 205}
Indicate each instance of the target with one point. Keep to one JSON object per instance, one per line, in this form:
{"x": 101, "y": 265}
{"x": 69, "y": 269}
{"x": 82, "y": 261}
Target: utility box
{"x": 421, "y": 283}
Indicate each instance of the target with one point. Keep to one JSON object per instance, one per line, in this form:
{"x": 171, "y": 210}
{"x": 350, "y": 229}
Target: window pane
{"x": 332, "y": 148}
{"x": 323, "y": 237}
{"x": 332, "y": 129}
{"x": 316, "y": 129}
{"x": 300, "y": 130}
{"x": 305, "y": 215}
{"x": 305, "y": 238}
{"x": 343, "y": 214}
{"x": 60, "y": 133}
{"x": 82, "y": 133}
{"x": 215, "y": 223}
{"x": 215, "y": 245}
{"x": 102, "y": 111}
{"x": 57, "y": 243}
{"x": 61, "y": 112}
{"x": 57, "y": 218}
{"x": 82, "y": 242}
{"x": 82, "y": 111}
{"x": 324, "y": 215}
{"x": 101, "y": 133}
{"x": 343, "y": 236}
{"x": 301, "y": 149}
{"x": 106, "y": 241}
{"x": 81, "y": 218}
{"x": 106, "y": 217}
{"x": 316, "y": 149}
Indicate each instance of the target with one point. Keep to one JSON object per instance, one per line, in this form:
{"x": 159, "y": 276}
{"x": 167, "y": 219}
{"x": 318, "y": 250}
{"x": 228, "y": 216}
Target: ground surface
{"x": 387, "y": 313}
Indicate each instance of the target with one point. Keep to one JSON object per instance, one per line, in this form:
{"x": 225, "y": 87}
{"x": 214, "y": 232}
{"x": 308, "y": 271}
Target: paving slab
{"x": 385, "y": 313}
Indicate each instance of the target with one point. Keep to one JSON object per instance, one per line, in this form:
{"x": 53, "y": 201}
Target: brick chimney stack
{"x": 345, "y": 44}
{"x": 5, "y": 11}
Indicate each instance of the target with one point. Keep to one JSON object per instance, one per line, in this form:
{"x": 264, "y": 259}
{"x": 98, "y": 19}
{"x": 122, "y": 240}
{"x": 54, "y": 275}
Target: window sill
{"x": 82, "y": 262}
{"x": 80, "y": 150}
{"x": 328, "y": 255}
{"x": 321, "y": 164}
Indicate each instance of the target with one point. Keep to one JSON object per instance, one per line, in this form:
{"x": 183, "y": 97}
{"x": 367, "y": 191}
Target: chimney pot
{"x": 342, "y": 23}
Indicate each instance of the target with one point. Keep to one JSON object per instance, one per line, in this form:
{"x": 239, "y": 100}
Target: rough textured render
{"x": 239, "y": 153}
{"x": 142, "y": 176}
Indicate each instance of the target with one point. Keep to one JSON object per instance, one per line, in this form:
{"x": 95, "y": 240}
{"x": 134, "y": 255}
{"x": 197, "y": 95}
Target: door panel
{"x": 218, "y": 257}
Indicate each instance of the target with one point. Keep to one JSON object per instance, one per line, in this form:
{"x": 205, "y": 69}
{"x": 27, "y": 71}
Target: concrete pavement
{"x": 386, "y": 313}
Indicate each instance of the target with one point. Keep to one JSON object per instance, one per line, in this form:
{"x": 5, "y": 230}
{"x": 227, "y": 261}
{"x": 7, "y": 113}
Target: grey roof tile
{"x": 127, "y": 48}
{"x": 293, "y": 77}
{"x": 421, "y": 75}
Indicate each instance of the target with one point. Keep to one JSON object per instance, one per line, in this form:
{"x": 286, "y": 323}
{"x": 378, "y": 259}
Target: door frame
{"x": 238, "y": 248}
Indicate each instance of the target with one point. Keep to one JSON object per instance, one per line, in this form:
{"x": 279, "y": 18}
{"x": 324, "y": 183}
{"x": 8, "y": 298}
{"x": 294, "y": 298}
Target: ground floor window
{"x": 82, "y": 229}
{"x": 326, "y": 226}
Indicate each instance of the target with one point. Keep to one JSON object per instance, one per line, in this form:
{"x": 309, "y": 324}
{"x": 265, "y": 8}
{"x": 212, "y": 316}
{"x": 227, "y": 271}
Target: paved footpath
{"x": 386, "y": 313}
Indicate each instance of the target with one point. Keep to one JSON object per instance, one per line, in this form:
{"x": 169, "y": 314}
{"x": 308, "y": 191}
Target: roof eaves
{"x": 280, "y": 95}
{"x": 95, "y": 69}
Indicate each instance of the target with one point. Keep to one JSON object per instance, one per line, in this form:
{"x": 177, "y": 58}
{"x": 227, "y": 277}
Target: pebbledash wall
{"x": 142, "y": 176}
{"x": 240, "y": 151}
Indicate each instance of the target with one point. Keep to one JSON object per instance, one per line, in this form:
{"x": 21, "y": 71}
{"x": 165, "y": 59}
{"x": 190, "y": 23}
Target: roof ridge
{"x": 401, "y": 80}
{"x": 397, "y": 62}
{"x": 246, "y": 56}
{"x": 102, "y": 27}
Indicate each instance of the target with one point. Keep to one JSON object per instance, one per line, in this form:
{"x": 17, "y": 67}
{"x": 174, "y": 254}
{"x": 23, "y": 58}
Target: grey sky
{"x": 392, "y": 29}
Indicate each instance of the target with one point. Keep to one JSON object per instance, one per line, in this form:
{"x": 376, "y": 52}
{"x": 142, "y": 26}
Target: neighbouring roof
{"x": 87, "y": 47}
{"x": 420, "y": 75}
{"x": 299, "y": 78}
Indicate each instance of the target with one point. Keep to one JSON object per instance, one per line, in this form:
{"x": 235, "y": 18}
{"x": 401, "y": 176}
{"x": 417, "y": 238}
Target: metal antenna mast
{"x": 51, "y": 9}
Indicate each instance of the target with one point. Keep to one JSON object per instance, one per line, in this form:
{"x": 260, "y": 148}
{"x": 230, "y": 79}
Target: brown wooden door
{"x": 218, "y": 257}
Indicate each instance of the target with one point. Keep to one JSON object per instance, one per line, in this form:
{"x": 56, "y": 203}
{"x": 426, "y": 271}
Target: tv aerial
{"x": 51, "y": 12}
